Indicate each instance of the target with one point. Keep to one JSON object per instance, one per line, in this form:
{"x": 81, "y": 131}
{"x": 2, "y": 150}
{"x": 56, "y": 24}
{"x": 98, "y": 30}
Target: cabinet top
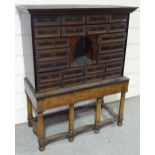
{"x": 33, "y": 9}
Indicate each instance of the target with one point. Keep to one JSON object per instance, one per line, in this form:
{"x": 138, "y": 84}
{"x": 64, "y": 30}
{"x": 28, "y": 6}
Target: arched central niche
{"x": 83, "y": 52}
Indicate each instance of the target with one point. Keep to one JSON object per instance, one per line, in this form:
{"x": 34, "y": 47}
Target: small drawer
{"x": 93, "y": 69}
{"x": 52, "y": 54}
{"x": 110, "y": 57}
{"x": 51, "y": 43}
{"x": 42, "y": 87}
{"x": 108, "y": 38}
{"x": 94, "y": 77}
{"x": 73, "y": 31}
{"x": 96, "y": 19}
{"x": 96, "y": 29}
{"x": 118, "y": 18}
{"x": 111, "y": 47}
{"x": 48, "y": 77}
{"x": 117, "y": 27}
{"x": 52, "y": 65}
{"x": 45, "y": 32}
{"x": 73, "y": 72}
{"x": 46, "y": 20}
{"x": 73, "y": 81}
{"x": 113, "y": 74}
{"x": 113, "y": 66}
{"x": 73, "y": 20}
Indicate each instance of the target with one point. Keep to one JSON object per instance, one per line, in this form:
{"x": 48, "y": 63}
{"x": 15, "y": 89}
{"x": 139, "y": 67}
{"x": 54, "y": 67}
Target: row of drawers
{"x": 79, "y": 78}
{"x": 67, "y": 31}
{"x": 65, "y": 42}
{"x": 52, "y": 20}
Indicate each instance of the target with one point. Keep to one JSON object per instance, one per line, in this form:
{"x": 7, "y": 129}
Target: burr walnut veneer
{"x": 78, "y": 54}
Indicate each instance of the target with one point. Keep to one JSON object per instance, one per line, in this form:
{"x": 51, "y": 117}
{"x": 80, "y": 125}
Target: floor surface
{"x": 112, "y": 140}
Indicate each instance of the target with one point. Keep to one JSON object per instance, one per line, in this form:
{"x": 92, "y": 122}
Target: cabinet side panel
{"x": 27, "y": 47}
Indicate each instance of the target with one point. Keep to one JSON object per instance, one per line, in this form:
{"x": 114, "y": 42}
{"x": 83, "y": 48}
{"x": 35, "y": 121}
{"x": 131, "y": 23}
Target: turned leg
{"x": 29, "y": 112}
{"x": 121, "y": 109}
{"x": 71, "y": 123}
{"x": 102, "y": 102}
{"x": 41, "y": 132}
{"x": 97, "y": 115}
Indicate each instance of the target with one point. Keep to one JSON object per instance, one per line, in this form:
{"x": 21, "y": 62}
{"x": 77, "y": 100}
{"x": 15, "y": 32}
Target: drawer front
{"x": 73, "y": 81}
{"x": 42, "y": 32}
{"x": 46, "y": 20}
{"x": 89, "y": 70}
{"x": 108, "y": 38}
{"x": 51, "y": 43}
{"x": 111, "y": 47}
{"x": 117, "y": 56}
{"x": 113, "y": 74}
{"x": 52, "y": 65}
{"x": 73, "y": 31}
{"x": 73, "y": 20}
{"x": 118, "y": 18}
{"x": 42, "y": 87}
{"x": 113, "y": 66}
{"x": 73, "y": 72}
{"x": 96, "y": 19}
{"x": 96, "y": 29}
{"x": 93, "y": 77}
{"x": 117, "y": 27}
{"x": 52, "y": 54}
{"x": 48, "y": 77}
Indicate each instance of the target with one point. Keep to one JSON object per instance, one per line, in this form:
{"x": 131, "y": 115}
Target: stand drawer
{"x": 94, "y": 77}
{"x": 113, "y": 66}
{"x": 51, "y": 43}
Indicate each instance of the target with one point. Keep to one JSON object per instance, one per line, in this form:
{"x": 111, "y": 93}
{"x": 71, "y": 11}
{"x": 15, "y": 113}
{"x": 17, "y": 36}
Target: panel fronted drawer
{"x": 52, "y": 65}
{"x": 51, "y": 43}
{"x": 111, "y": 47}
{"x": 73, "y": 81}
{"x": 48, "y": 20}
{"x": 48, "y": 77}
{"x": 117, "y": 27}
{"x": 73, "y": 20}
{"x": 113, "y": 74}
{"x": 96, "y": 19}
{"x": 93, "y": 69}
{"x": 115, "y": 37}
{"x": 110, "y": 57}
{"x": 93, "y": 77}
{"x": 42, "y": 87}
{"x": 73, "y": 72}
{"x": 73, "y": 31}
{"x": 118, "y": 18}
{"x": 52, "y": 54}
{"x": 113, "y": 66}
{"x": 96, "y": 29}
{"x": 42, "y": 32}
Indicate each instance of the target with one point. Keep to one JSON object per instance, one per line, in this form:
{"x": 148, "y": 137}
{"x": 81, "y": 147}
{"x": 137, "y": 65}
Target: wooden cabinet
{"x": 78, "y": 46}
